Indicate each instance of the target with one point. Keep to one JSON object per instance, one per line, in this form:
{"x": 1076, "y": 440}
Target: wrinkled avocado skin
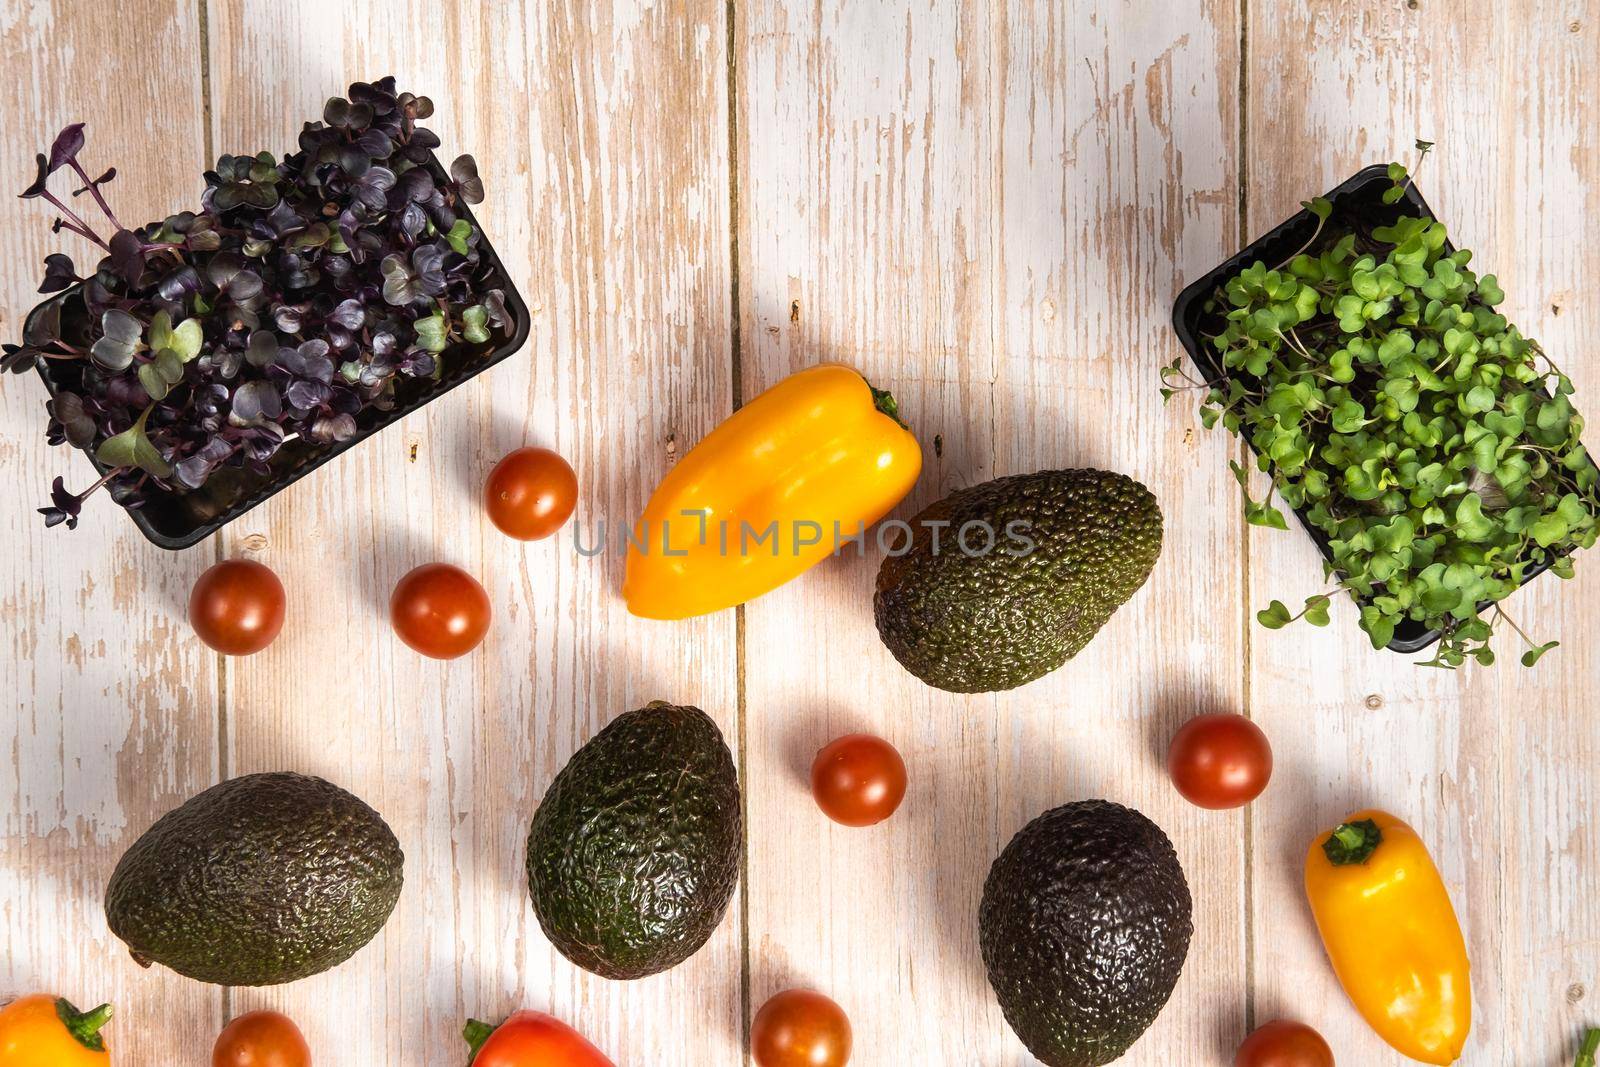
{"x": 260, "y": 880}
{"x": 1085, "y": 925}
{"x": 634, "y": 852}
{"x": 981, "y": 623}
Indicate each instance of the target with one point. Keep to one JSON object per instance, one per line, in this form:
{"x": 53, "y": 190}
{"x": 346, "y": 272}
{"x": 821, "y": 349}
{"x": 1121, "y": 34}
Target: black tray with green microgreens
{"x": 1431, "y": 451}
{"x": 215, "y": 357}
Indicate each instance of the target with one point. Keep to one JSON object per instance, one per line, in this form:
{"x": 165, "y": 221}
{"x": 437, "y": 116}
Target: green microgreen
{"x": 1433, "y": 446}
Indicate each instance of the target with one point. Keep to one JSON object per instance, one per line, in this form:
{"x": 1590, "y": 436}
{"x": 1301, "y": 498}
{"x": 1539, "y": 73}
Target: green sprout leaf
{"x": 1534, "y": 654}
{"x": 1274, "y": 616}
{"x": 1316, "y": 610}
{"x": 474, "y": 325}
{"x": 132, "y": 448}
{"x": 432, "y": 333}
{"x": 457, "y": 236}
{"x": 186, "y": 340}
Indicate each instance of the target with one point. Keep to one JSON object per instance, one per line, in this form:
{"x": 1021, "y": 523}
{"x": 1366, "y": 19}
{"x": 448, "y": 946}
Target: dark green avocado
{"x": 1084, "y": 925}
{"x": 1068, "y": 548}
{"x": 634, "y": 852}
{"x": 260, "y": 880}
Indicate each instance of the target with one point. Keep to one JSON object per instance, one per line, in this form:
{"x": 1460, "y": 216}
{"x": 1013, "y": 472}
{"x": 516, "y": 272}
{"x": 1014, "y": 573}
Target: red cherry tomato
{"x": 236, "y": 607}
{"x": 531, "y": 493}
{"x": 858, "y": 780}
{"x": 261, "y": 1039}
{"x": 800, "y": 1028}
{"x": 1220, "y": 761}
{"x": 1282, "y": 1043}
{"x": 440, "y": 610}
{"x": 532, "y": 1039}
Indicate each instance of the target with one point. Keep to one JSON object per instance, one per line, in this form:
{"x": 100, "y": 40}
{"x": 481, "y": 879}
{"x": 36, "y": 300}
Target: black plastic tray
{"x": 1357, "y": 205}
{"x": 178, "y": 520}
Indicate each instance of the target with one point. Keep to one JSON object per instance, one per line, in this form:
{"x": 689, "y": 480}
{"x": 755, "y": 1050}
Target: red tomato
{"x": 1220, "y": 761}
{"x": 800, "y": 1028}
{"x": 531, "y": 493}
{"x": 1284, "y": 1044}
{"x": 440, "y": 610}
{"x": 858, "y": 780}
{"x": 533, "y": 1039}
{"x": 236, "y": 607}
{"x": 261, "y": 1039}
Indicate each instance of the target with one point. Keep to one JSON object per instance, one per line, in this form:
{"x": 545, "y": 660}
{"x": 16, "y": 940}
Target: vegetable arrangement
{"x": 300, "y": 297}
{"x": 1433, "y": 446}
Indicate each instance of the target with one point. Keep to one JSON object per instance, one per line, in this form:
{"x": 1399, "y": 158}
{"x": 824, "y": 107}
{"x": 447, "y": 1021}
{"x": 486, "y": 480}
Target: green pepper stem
{"x": 1352, "y": 843}
{"x": 885, "y": 402}
{"x": 1590, "y": 1049}
{"x": 84, "y": 1026}
{"x": 476, "y": 1034}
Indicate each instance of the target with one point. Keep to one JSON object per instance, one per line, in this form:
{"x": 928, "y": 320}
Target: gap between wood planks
{"x": 208, "y": 143}
{"x": 730, "y": 16}
{"x": 1242, "y": 175}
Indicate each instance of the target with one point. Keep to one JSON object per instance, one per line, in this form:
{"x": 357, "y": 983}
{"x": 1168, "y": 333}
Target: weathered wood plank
{"x": 1489, "y": 764}
{"x": 988, "y": 212}
{"x": 601, "y": 133}
{"x": 111, "y": 706}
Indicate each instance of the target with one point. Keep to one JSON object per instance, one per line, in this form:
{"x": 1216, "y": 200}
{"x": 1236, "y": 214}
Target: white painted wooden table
{"x": 987, "y": 207}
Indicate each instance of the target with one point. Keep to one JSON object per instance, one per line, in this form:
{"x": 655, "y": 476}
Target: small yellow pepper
{"x": 47, "y": 1031}
{"x": 802, "y": 468}
{"x": 1392, "y": 935}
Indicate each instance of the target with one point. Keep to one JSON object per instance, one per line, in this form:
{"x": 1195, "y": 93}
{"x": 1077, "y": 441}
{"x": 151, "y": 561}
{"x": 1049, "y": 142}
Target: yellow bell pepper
{"x": 790, "y": 476}
{"x": 47, "y": 1031}
{"x": 1392, "y": 935}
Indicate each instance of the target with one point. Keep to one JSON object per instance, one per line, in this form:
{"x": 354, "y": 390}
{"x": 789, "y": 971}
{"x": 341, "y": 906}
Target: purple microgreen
{"x": 195, "y": 469}
{"x": 495, "y": 302}
{"x": 40, "y": 181}
{"x": 262, "y": 350}
{"x": 59, "y": 273}
{"x": 331, "y": 429}
{"x": 68, "y": 143}
{"x": 119, "y": 340}
{"x": 294, "y": 303}
{"x": 178, "y": 283}
{"x": 351, "y": 314}
{"x": 127, "y": 256}
{"x": 253, "y": 402}
{"x": 19, "y": 358}
{"x": 67, "y": 411}
{"x": 464, "y": 175}
{"x": 65, "y": 506}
